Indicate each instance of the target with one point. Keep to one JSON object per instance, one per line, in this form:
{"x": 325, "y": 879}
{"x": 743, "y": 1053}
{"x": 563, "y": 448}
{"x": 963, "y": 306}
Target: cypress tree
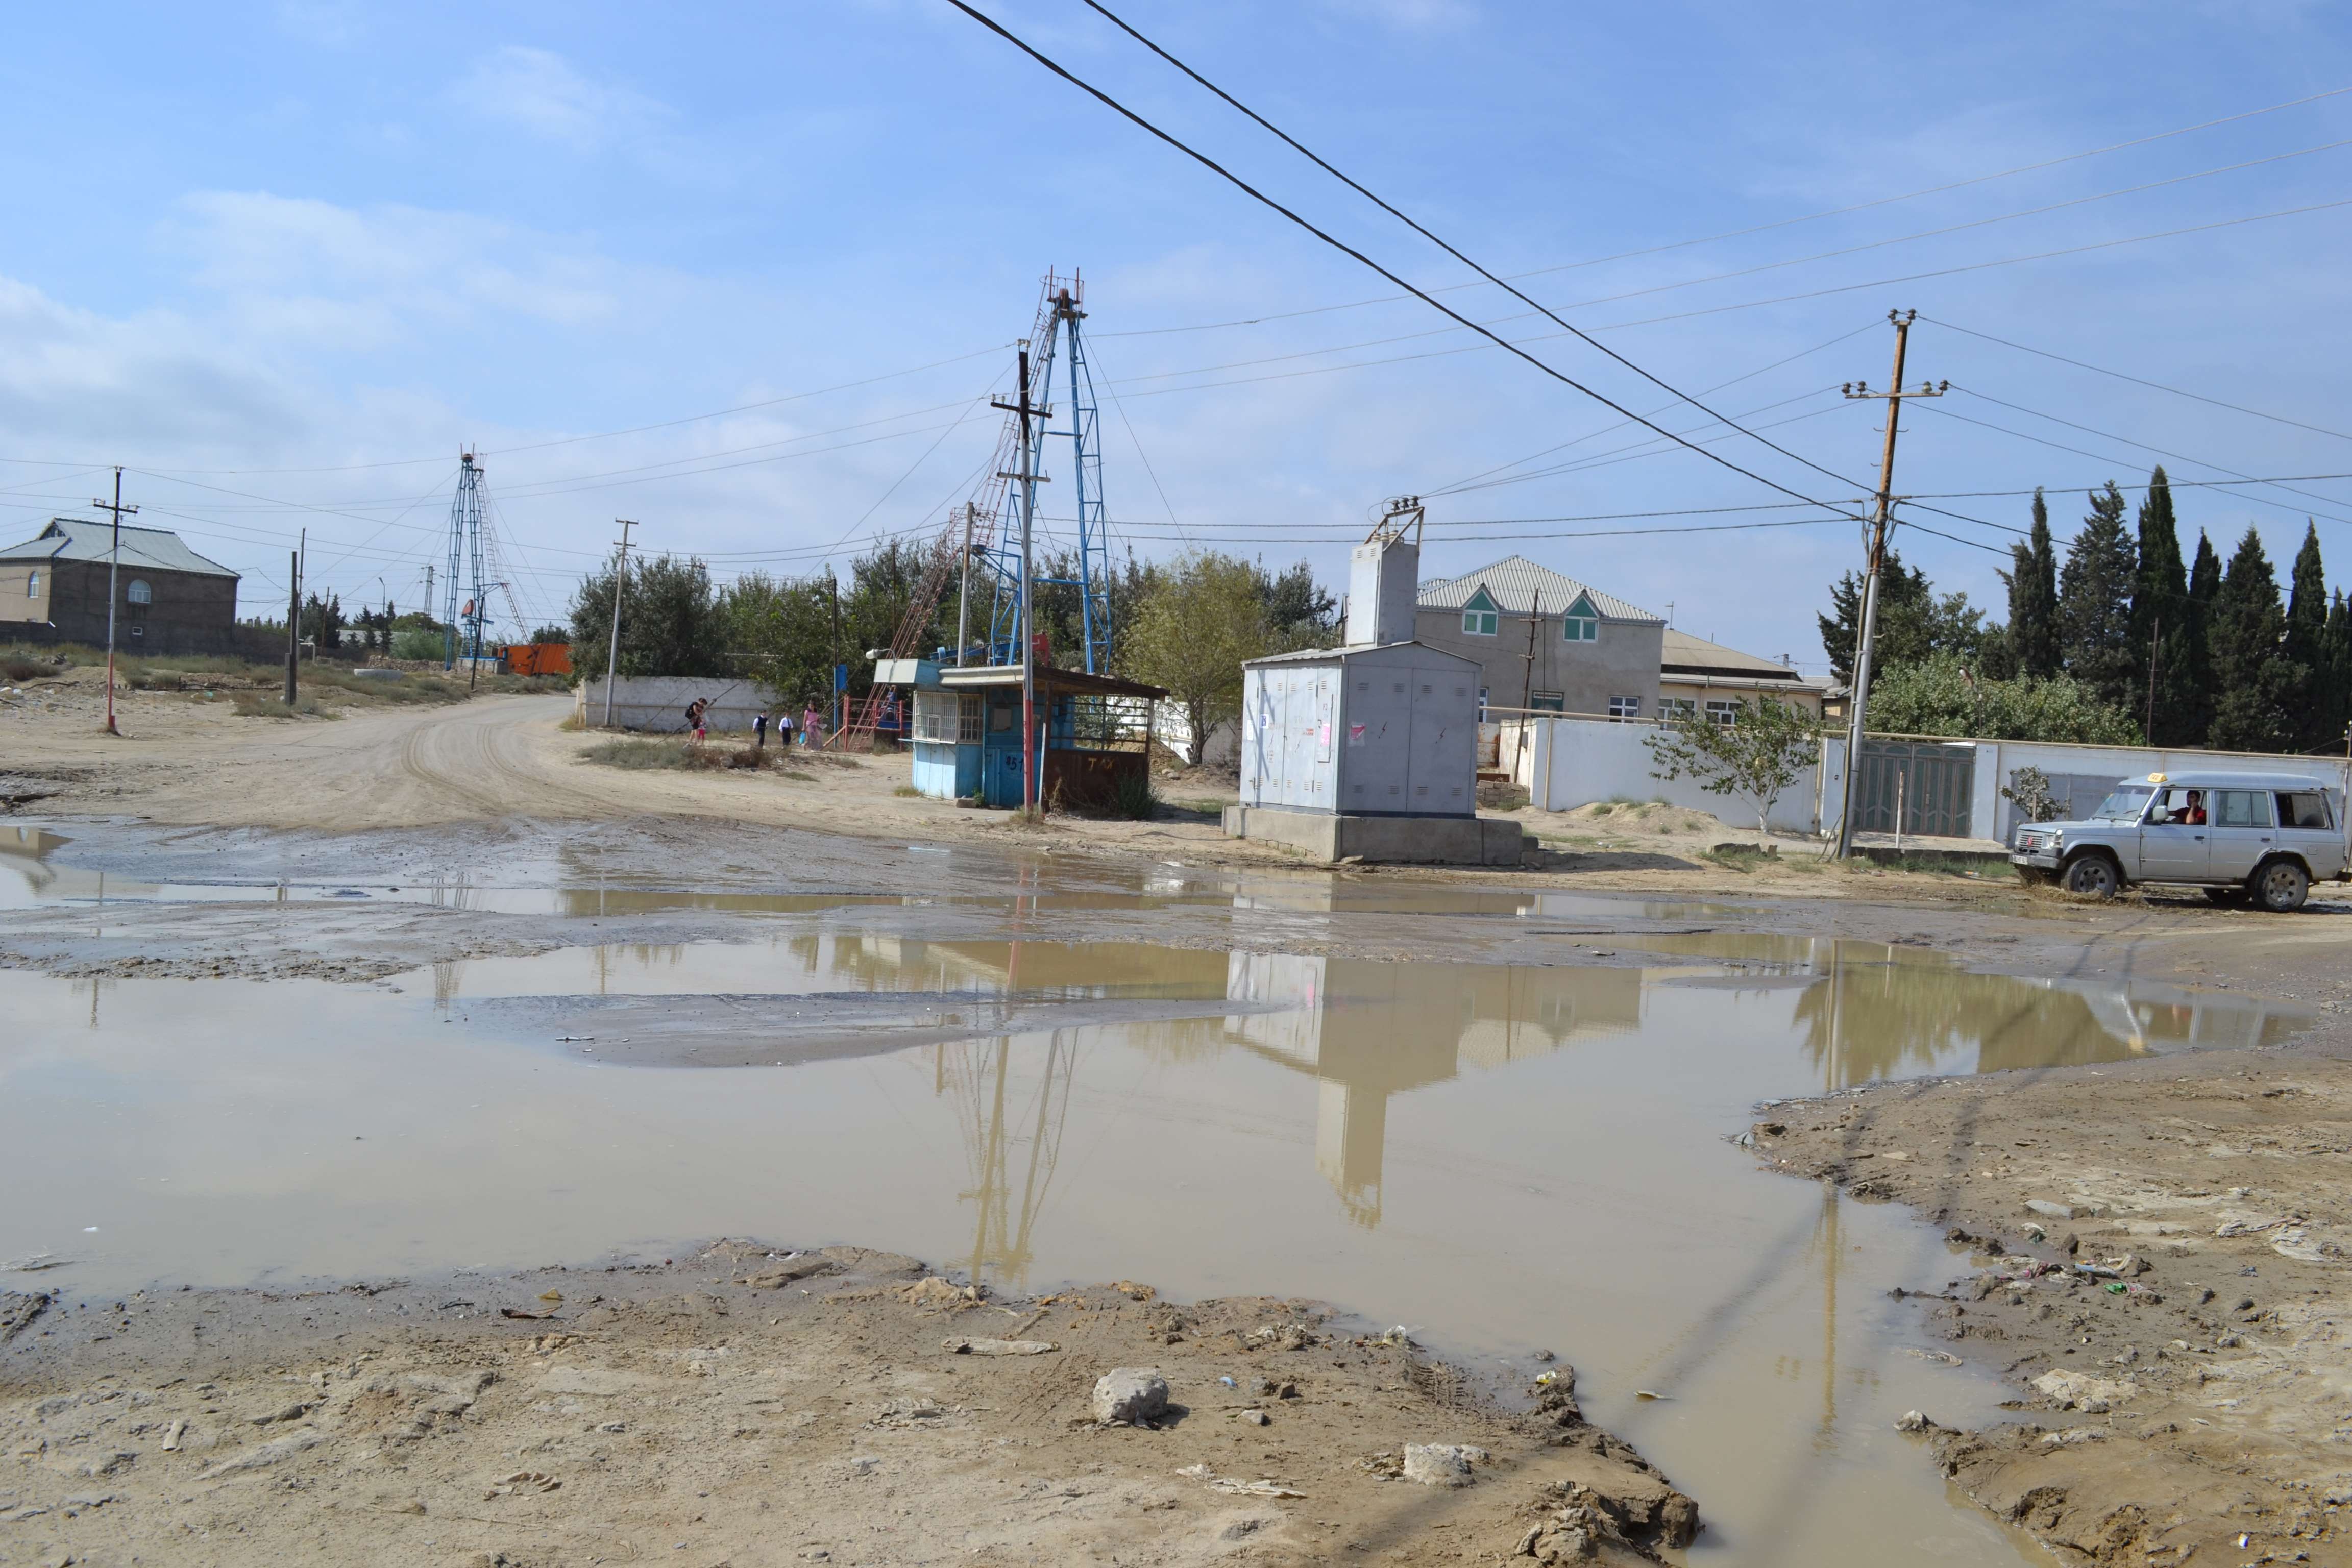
{"x": 2168, "y": 698}
{"x": 2032, "y": 580}
{"x": 2257, "y": 687}
{"x": 2306, "y": 639}
{"x": 2204, "y": 588}
{"x": 2094, "y": 611}
{"x": 2336, "y": 690}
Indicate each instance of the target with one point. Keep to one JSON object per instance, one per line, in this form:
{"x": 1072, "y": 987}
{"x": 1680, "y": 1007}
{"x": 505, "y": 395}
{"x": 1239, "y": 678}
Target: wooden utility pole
{"x": 620, "y": 581}
{"x": 294, "y": 616}
{"x": 114, "y": 595}
{"x": 1858, "y": 702}
{"x": 1535, "y": 620}
{"x": 1031, "y": 795}
{"x": 2155, "y": 641}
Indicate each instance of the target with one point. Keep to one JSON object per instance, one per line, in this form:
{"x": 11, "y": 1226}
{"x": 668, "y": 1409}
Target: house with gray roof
{"x": 1545, "y": 641}
{"x": 167, "y": 598}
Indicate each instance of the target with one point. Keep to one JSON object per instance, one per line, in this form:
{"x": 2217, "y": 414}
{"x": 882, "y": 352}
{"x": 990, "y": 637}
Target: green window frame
{"x": 1582, "y": 622}
{"x": 1479, "y": 616}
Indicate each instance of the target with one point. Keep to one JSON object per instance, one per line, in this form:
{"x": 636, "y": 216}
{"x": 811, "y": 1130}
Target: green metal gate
{"x": 1932, "y": 784}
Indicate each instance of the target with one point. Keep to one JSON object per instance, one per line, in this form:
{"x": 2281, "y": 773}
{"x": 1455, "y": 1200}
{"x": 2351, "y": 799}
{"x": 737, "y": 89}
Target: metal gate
{"x": 1932, "y": 785}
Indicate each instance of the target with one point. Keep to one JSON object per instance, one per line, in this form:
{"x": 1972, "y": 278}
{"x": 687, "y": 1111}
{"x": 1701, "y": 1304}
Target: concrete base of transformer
{"x": 1392, "y": 840}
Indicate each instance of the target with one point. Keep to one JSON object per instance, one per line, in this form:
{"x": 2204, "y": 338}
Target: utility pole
{"x": 838, "y": 701}
{"x": 1027, "y": 476}
{"x": 113, "y": 597}
{"x": 620, "y": 581}
{"x": 2155, "y": 641}
{"x": 294, "y": 614}
{"x": 963, "y": 593}
{"x": 1858, "y": 703}
{"x": 1535, "y": 619}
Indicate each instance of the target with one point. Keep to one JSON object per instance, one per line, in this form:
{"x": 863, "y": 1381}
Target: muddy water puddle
{"x": 1500, "y": 1158}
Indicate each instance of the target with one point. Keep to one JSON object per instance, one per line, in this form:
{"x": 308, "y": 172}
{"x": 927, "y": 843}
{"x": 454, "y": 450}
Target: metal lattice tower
{"x": 1058, "y": 334}
{"x": 465, "y": 550}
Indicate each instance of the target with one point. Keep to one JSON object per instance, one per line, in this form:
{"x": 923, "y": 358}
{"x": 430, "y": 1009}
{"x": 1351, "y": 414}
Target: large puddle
{"x": 1501, "y": 1157}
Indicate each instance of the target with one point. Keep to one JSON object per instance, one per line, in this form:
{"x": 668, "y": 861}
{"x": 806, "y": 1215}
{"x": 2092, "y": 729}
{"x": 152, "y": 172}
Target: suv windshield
{"x": 2124, "y": 805}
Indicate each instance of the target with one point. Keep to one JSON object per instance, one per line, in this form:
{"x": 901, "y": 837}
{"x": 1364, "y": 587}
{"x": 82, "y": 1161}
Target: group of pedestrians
{"x": 810, "y": 725}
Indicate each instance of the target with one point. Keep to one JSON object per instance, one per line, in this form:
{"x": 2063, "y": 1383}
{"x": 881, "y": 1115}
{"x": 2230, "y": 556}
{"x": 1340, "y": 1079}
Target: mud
{"x": 742, "y": 1405}
{"x": 1493, "y": 1105}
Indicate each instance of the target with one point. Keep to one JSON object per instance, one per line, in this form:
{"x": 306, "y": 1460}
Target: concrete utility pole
{"x": 837, "y": 700}
{"x": 620, "y": 580}
{"x": 1858, "y": 703}
{"x": 113, "y": 597}
{"x": 1030, "y": 794}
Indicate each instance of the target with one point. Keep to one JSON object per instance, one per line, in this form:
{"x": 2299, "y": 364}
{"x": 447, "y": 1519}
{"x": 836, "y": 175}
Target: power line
{"x": 1315, "y": 158}
{"x": 2141, "y": 381}
{"x": 1242, "y": 185}
{"x": 2160, "y": 451}
{"x": 1764, "y": 228}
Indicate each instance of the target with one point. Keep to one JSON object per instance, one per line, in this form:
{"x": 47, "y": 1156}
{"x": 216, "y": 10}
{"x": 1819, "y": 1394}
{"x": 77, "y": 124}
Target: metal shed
{"x": 1372, "y": 729}
{"x": 1094, "y": 734}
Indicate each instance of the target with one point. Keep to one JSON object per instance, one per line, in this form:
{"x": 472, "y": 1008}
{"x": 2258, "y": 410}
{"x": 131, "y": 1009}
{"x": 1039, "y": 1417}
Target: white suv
{"x": 2267, "y": 837}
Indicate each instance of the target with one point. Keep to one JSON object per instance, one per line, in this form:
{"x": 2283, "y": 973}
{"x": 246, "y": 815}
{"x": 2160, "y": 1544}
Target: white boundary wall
{"x": 1568, "y": 762}
{"x": 656, "y": 703}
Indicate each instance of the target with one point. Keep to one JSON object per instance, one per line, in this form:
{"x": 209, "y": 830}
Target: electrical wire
{"x": 1449, "y": 249}
{"x": 1764, "y": 228}
{"x": 1340, "y": 246}
{"x": 2139, "y": 381}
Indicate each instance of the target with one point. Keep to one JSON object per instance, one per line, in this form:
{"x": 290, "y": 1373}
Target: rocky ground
{"x": 750, "y": 1406}
{"x": 2156, "y": 1254}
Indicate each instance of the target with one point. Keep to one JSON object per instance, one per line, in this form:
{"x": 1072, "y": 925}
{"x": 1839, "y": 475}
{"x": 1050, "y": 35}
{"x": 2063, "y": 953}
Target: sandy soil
{"x": 748, "y": 1407}
{"x": 2176, "y": 1312}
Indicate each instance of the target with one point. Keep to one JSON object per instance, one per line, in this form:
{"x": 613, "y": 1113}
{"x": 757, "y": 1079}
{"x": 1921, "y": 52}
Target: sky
{"x": 749, "y": 275}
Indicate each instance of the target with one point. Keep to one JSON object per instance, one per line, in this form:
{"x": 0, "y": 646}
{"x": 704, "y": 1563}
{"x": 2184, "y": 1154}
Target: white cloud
{"x": 329, "y": 276}
{"x": 539, "y": 92}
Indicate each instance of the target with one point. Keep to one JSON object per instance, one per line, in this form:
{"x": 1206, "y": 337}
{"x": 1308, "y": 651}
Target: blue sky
{"x": 282, "y": 259}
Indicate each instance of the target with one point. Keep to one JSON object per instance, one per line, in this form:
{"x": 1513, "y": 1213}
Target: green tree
{"x": 668, "y": 623}
{"x": 2204, "y": 588}
{"x": 1301, "y": 611}
{"x": 2162, "y": 626}
{"x": 2094, "y": 595}
{"x": 1914, "y": 621}
{"x": 2337, "y": 688}
{"x": 1204, "y": 615}
{"x": 1054, "y": 600}
{"x": 1940, "y": 695}
{"x": 2306, "y": 645}
{"x": 2033, "y": 579}
{"x": 322, "y": 621}
{"x": 781, "y": 632}
{"x": 1756, "y": 757}
{"x": 2256, "y": 685}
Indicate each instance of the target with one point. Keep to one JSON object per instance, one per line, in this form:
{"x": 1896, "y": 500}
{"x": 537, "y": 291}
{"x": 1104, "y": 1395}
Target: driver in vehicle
{"x": 2191, "y": 814}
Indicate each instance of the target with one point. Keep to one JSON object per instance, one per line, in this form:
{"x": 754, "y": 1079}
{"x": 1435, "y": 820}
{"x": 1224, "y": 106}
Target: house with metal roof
{"x": 1701, "y": 677}
{"x": 167, "y": 598}
{"x": 1545, "y": 641}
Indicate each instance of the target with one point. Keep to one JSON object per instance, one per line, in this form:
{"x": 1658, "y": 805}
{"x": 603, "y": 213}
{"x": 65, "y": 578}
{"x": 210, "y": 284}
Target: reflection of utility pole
{"x": 981, "y": 1074}
{"x": 1830, "y": 1249}
{"x": 1858, "y": 702}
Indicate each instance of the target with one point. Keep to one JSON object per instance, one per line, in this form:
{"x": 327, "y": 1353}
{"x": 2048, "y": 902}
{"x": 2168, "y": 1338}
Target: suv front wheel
{"x": 2092, "y": 876}
{"x": 2281, "y": 887}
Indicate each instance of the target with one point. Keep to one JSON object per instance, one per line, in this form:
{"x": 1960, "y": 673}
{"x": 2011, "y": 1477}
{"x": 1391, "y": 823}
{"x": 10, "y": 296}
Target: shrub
{"x": 24, "y": 669}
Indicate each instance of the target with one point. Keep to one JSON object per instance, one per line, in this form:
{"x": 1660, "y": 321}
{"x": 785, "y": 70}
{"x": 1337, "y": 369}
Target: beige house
{"x": 1544, "y": 641}
{"x": 1695, "y": 676}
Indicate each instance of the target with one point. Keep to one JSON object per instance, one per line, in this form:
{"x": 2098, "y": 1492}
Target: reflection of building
{"x": 1873, "y": 1010}
{"x": 1370, "y": 1030}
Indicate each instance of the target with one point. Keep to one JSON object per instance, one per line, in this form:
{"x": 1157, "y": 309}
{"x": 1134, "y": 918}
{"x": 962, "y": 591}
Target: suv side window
{"x": 2241, "y": 809}
{"x": 2304, "y": 808}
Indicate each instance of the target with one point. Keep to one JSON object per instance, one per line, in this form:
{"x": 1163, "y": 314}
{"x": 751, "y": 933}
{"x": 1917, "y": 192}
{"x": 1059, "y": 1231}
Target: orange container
{"x": 537, "y": 658}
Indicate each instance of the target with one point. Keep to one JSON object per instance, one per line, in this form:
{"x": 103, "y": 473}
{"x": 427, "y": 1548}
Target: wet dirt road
{"x": 1048, "y": 1070}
